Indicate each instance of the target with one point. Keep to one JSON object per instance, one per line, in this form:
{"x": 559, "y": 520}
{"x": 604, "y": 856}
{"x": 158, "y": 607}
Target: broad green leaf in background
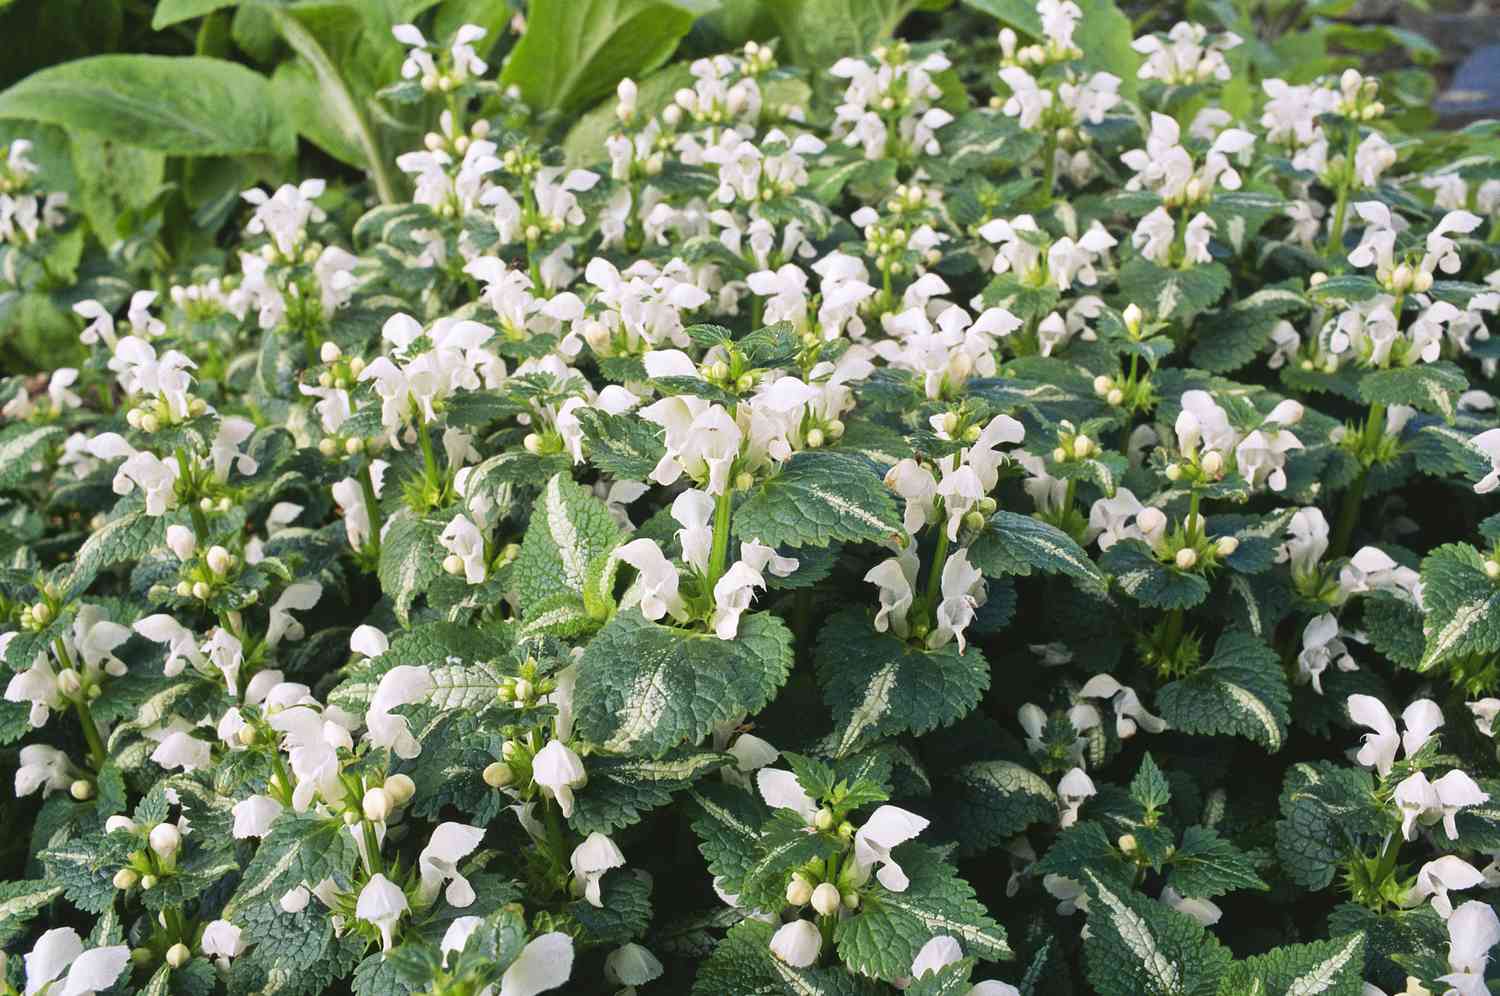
{"x": 1104, "y": 34}
{"x": 575, "y": 51}
{"x": 816, "y": 33}
{"x": 182, "y": 105}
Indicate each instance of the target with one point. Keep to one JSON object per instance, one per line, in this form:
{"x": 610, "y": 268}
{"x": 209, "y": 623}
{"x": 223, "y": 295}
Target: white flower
{"x": 1202, "y": 910}
{"x": 438, "y": 863}
{"x": 694, "y": 511}
{"x": 1129, "y": 712}
{"x": 1420, "y": 718}
{"x": 1307, "y": 541}
{"x": 1371, "y": 569}
{"x": 462, "y": 539}
{"x": 1485, "y": 711}
{"x": 42, "y": 767}
{"x": 557, "y": 771}
{"x": 591, "y": 860}
{"x": 657, "y": 579}
{"x": 1455, "y": 791}
{"x": 456, "y": 937}
{"x": 545, "y": 963}
{"x": 37, "y": 685}
{"x": 381, "y": 903}
{"x": 300, "y": 596}
{"x": 1472, "y": 930}
{"x": 734, "y": 591}
{"x": 1075, "y": 787}
{"x": 88, "y": 971}
{"x": 1112, "y": 519}
{"x": 222, "y": 939}
{"x": 156, "y": 478}
{"x": 401, "y": 685}
{"x": 963, "y": 591}
{"x": 1436, "y": 878}
{"x": 1321, "y": 647}
{"x": 896, "y": 578}
{"x": 254, "y": 815}
{"x": 781, "y": 790}
{"x": 797, "y": 943}
{"x": 631, "y": 965}
{"x": 181, "y": 749}
{"x": 887, "y": 828}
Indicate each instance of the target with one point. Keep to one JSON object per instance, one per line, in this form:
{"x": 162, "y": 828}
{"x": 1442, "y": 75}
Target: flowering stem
{"x": 1049, "y": 168}
{"x": 935, "y": 576}
{"x": 1341, "y": 207}
{"x": 720, "y": 555}
{"x": 429, "y": 458}
{"x": 372, "y": 849}
{"x": 1349, "y": 510}
{"x": 85, "y": 717}
{"x": 372, "y": 506}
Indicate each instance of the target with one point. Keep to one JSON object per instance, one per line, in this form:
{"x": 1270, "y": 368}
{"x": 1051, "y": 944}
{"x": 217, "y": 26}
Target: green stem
{"x": 91, "y": 735}
{"x": 429, "y": 458}
{"x": 556, "y": 845}
{"x": 1341, "y": 208}
{"x": 372, "y": 506}
{"x": 283, "y": 777}
{"x": 341, "y": 103}
{"x": 756, "y": 311}
{"x": 372, "y": 849}
{"x": 1369, "y": 440}
{"x": 1049, "y": 168}
{"x": 1174, "y": 630}
{"x": 719, "y": 557}
{"x": 935, "y": 573}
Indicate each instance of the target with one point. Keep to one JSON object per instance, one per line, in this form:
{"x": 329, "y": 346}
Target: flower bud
{"x": 1212, "y": 463}
{"x": 815, "y": 439}
{"x": 974, "y": 519}
{"x": 1317, "y": 279}
{"x": 1082, "y": 447}
{"x": 329, "y": 352}
{"x": 165, "y": 840}
{"x": 184, "y": 589}
{"x": 118, "y": 823}
{"x": 1186, "y": 558}
{"x": 498, "y": 775}
{"x": 1421, "y": 282}
{"x": 400, "y": 789}
{"x": 1492, "y": 569}
{"x": 1226, "y": 546}
{"x": 826, "y": 899}
{"x": 1059, "y": 455}
{"x": 824, "y": 819}
{"x": 376, "y": 805}
{"x": 836, "y": 429}
{"x": 524, "y": 690}
{"x": 68, "y": 682}
{"x": 201, "y": 590}
{"x": 1115, "y": 397}
{"x": 1132, "y": 315}
{"x": 82, "y": 790}
{"x": 246, "y": 735}
{"x": 851, "y": 900}
{"x": 744, "y": 481}
{"x": 453, "y": 564}
{"x": 219, "y": 560}
{"x": 1127, "y": 843}
{"x": 1173, "y": 472}
{"x": 42, "y": 613}
{"x": 133, "y": 418}
{"x": 178, "y": 955}
{"x": 353, "y": 445}
{"x": 126, "y": 878}
{"x": 150, "y": 423}
{"x": 533, "y": 443}
{"x": 148, "y": 882}
{"x": 799, "y": 891}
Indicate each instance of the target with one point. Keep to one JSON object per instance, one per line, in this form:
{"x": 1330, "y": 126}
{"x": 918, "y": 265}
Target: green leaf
{"x": 1139, "y": 947}
{"x": 181, "y": 105}
{"x": 883, "y": 686}
{"x": 575, "y": 51}
{"x": 170, "y": 12}
{"x": 1206, "y": 865}
{"x": 644, "y": 688}
{"x": 743, "y": 963}
{"x": 995, "y": 800}
{"x": 20, "y": 902}
{"x": 565, "y": 559}
{"x": 1150, "y": 582}
{"x": 1325, "y": 809}
{"x": 121, "y": 540}
{"x": 1428, "y": 387}
{"x": 890, "y": 928}
{"x": 819, "y": 497}
{"x": 409, "y": 559}
{"x": 621, "y": 789}
{"x": 1149, "y": 786}
{"x": 21, "y": 445}
{"x": 623, "y": 445}
{"x": 302, "y": 848}
{"x": 728, "y": 820}
{"x": 1240, "y": 691}
{"x": 1167, "y": 293}
{"x": 1015, "y": 544}
{"x": 817, "y": 32}
{"x": 1461, "y": 603}
{"x": 783, "y": 846}
{"x": 1329, "y": 968}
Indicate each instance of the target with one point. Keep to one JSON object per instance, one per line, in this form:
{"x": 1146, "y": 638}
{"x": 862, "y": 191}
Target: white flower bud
{"x": 815, "y": 439}
{"x": 498, "y": 775}
{"x": 184, "y": 589}
{"x": 524, "y": 690}
{"x": 533, "y": 443}
{"x": 328, "y": 446}
{"x": 453, "y": 564}
{"x": 1421, "y": 282}
{"x": 1103, "y": 385}
{"x": 133, "y": 418}
{"x": 219, "y": 560}
{"x": 329, "y": 352}
{"x": 1059, "y": 455}
{"x": 1213, "y": 463}
{"x": 824, "y": 819}
{"x": 68, "y": 682}
{"x": 118, "y": 823}
{"x": 126, "y": 878}
{"x": 1133, "y": 317}
{"x": 1082, "y": 447}
{"x": 799, "y": 891}
{"x": 148, "y": 882}
{"x": 376, "y": 805}
{"x": 826, "y": 899}
{"x": 400, "y": 789}
{"x": 1115, "y": 397}
{"x": 42, "y": 613}
{"x": 82, "y": 790}
{"x": 1226, "y": 546}
{"x": 165, "y": 840}
{"x": 201, "y": 590}
{"x": 1186, "y": 558}
{"x": 150, "y": 423}
{"x": 178, "y": 955}
{"x": 1492, "y": 569}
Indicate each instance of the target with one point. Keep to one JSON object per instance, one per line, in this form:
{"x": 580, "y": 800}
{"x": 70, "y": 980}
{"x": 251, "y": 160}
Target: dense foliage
{"x": 901, "y": 519}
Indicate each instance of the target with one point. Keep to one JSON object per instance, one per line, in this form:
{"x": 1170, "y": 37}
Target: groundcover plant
{"x": 952, "y": 519}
